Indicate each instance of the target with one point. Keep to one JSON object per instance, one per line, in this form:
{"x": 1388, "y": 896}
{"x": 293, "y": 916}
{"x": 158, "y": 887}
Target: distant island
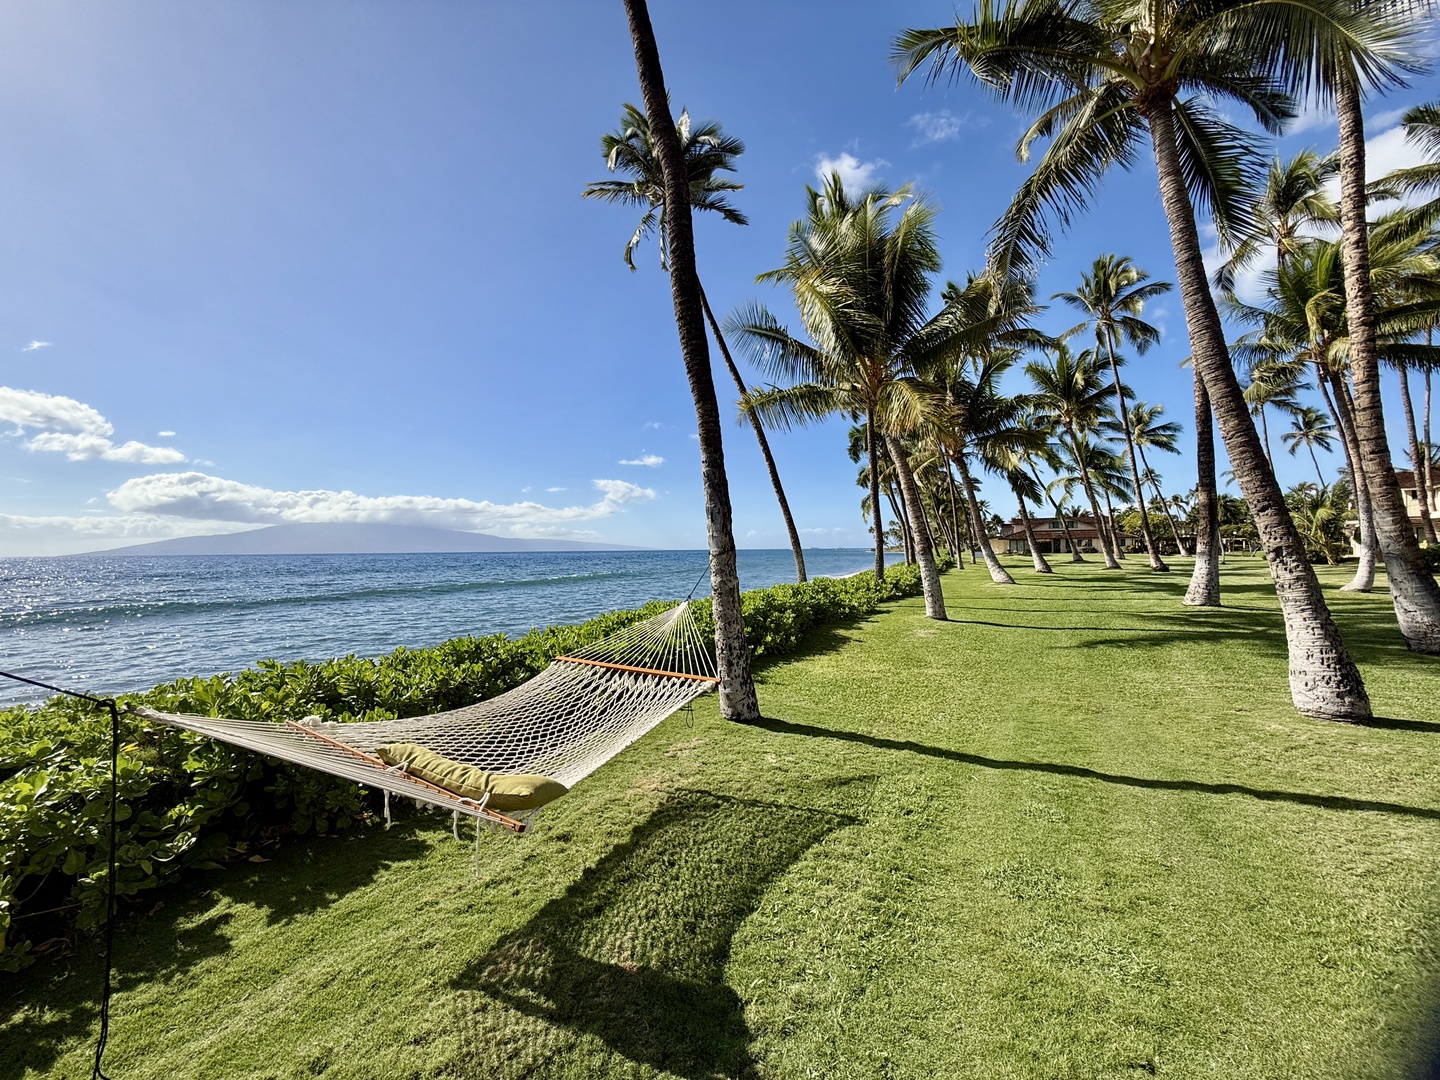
{"x": 343, "y": 539}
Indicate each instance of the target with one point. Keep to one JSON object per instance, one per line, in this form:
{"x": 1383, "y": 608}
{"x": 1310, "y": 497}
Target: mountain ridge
{"x": 327, "y": 538}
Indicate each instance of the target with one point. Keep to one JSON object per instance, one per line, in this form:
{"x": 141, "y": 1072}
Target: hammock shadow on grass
{"x": 629, "y": 963}
{"x": 57, "y": 1003}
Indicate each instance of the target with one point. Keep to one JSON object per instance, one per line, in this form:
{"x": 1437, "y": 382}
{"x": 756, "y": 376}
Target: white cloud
{"x": 87, "y": 447}
{"x": 195, "y": 496}
{"x": 552, "y": 490}
{"x": 1383, "y": 120}
{"x": 650, "y": 461}
{"x": 942, "y": 126}
{"x": 1310, "y": 118}
{"x": 74, "y": 429}
{"x": 30, "y": 408}
{"x": 855, "y": 175}
{"x": 35, "y": 345}
{"x": 164, "y": 434}
{"x": 654, "y": 424}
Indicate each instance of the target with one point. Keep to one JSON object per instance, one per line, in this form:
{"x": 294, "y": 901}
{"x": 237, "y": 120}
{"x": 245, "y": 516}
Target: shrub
{"x": 189, "y": 803}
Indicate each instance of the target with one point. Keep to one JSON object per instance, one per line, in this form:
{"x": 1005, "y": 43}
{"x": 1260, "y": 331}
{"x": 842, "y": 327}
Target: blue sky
{"x": 269, "y": 262}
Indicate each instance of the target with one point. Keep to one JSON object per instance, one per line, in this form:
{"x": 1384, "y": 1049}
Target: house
{"x": 1410, "y": 488}
{"x": 1049, "y": 535}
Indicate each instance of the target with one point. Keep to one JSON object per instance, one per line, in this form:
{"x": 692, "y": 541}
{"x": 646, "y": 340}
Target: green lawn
{"x": 1076, "y": 832}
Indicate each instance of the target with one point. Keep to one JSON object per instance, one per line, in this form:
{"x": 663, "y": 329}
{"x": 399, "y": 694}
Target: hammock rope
{"x": 564, "y": 723}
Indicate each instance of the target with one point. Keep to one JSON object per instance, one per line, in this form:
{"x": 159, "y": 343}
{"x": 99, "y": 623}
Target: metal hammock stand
{"x": 564, "y": 723}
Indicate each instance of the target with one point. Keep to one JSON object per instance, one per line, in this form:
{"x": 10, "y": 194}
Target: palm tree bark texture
{"x": 1413, "y": 589}
{"x": 1324, "y": 680}
{"x": 1204, "y": 589}
{"x": 732, "y": 655}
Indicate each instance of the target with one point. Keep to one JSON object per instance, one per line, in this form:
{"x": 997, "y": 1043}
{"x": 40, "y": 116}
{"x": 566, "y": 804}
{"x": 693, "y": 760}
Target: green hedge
{"x": 187, "y": 802}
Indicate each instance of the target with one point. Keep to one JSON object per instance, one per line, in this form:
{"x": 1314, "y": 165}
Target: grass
{"x": 1076, "y": 832}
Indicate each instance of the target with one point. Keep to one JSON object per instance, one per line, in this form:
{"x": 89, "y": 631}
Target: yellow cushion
{"x": 507, "y": 791}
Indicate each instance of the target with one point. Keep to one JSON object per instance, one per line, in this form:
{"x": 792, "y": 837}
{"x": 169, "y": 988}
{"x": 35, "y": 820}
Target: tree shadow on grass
{"x": 1081, "y": 772}
{"x": 631, "y": 959}
{"x": 48, "y": 1008}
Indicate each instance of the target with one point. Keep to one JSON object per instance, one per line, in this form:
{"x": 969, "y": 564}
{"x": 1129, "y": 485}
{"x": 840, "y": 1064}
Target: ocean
{"x": 112, "y": 624}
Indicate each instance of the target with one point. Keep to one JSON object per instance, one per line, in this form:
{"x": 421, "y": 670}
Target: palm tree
{"x": 1071, "y": 393}
{"x": 1310, "y": 428}
{"x": 1102, "y": 76}
{"x": 732, "y": 655}
{"x": 1293, "y": 200}
{"x": 1148, "y": 430}
{"x": 706, "y": 151}
{"x": 1335, "y": 60}
{"x": 1112, "y": 296}
{"x": 1273, "y": 384}
{"x": 1305, "y": 321}
{"x": 861, "y": 276}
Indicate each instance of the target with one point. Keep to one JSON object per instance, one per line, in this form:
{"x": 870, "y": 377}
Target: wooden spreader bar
{"x": 492, "y": 815}
{"x": 637, "y": 670}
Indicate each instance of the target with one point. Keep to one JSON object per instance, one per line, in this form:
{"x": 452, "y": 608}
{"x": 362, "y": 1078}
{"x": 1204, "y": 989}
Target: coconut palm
{"x": 1336, "y": 60}
{"x": 732, "y": 655}
{"x": 1273, "y": 384}
{"x": 860, "y": 269}
{"x": 1102, "y": 76}
{"x": 1112, "y": 295}
{"x": 706, "y": 151}
{"x": 1071, "y": 391}
{"x": 1148, "y": 430}
{"x": 1292, "y": 202}
{"x": 1309, "y": 427}
{"x": 1304, "y": 319}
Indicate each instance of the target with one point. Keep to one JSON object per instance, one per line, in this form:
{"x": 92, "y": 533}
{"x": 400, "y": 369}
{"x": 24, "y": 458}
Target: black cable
{"x": 105, "y": 990}
{"x": 699, "y": 579}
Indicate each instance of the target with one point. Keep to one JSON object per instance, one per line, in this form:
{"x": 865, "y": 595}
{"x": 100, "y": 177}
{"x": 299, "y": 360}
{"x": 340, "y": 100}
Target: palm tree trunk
{"x": 1075, "y": 555}
{"x": 1324, "y": 680}
{"x": 1157, "y": 564}
{"x": 732, "y": 654}
{"x": 1364, "y": 579}
{"x": 1413, "y": 588}
{"x": 954, "y": 517}
{"x": 1265, "y": 432}
{"x": 998, "y": 573}
{"x": 795, "y": 548}
{"x": 907, "y": 540}
{"x": 1160, "y": 495}
{"x": 1204, "y": 588}
{"x": 1041, "y": 566}
{"x": 873, "y": 453}
{"x": 1421, "y": 488}
{"x": 924, "y": 553}
{"x": 1319, "y": 476}
{"x": 1105, "y": 546}
{"x": 1114, "y": 529}
{"x": 1429, "y": 447}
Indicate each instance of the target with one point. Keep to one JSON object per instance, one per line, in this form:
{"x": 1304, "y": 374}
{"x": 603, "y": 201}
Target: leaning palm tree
{"x": 732, "y": 654}
{"x": 706, "y": 151}
{"x": 1102, "y": 75}
{"x": 1335, "y": 59}
{"x": 1112, "y": 295}
{"x": 1310, "y": 428}
{"x": 860, "y": 273}
{"x": 1274, "y": 384}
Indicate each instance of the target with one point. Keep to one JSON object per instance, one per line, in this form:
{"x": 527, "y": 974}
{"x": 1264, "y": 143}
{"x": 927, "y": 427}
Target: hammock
{"x": 564, "y": 723}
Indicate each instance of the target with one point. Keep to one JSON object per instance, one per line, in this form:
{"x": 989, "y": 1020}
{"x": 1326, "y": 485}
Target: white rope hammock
{"x": 564, "y": 723}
